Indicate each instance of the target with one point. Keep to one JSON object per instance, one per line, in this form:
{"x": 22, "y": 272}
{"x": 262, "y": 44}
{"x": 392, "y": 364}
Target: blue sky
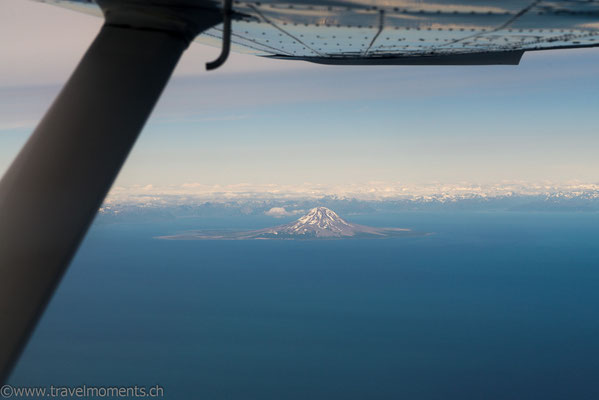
{"x": 275, "y": 122}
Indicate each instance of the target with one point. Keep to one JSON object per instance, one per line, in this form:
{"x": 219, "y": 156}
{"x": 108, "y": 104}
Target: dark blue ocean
{"x": 489, "y": 306}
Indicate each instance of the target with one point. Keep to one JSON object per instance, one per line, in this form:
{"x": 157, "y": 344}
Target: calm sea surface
{"x": 490, "y": 306}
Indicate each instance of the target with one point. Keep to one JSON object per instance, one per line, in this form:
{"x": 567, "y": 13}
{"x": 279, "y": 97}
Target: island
{"x": 318, "y": 223}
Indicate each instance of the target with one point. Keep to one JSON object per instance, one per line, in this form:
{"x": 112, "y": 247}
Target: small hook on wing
{"x": 224, "y": 54}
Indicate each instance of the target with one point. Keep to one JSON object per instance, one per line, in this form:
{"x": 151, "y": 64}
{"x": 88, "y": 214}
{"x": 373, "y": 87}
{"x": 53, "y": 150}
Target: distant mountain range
{"x": 318, "y": 223}
{"x": 371, "y": 192}
{"x": 165, "y": 208}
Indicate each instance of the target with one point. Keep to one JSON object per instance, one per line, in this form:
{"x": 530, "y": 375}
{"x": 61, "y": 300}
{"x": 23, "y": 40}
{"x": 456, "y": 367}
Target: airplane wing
{"x": 401, "y": 32}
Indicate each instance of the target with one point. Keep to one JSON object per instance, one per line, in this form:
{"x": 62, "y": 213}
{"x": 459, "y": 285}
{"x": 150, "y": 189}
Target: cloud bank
{"x": 370, "y": 191}
{"x": 279, "y": 212}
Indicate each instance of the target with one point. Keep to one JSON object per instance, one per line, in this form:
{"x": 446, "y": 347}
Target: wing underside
{"x": 395, "y": 32}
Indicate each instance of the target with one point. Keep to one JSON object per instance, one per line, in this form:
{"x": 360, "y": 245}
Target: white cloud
{"x": 279, "y": 212}
{"x": 370, "y": 191}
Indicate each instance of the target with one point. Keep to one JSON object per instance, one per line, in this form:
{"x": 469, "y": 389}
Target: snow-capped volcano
{"x": 319, "y": 223}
